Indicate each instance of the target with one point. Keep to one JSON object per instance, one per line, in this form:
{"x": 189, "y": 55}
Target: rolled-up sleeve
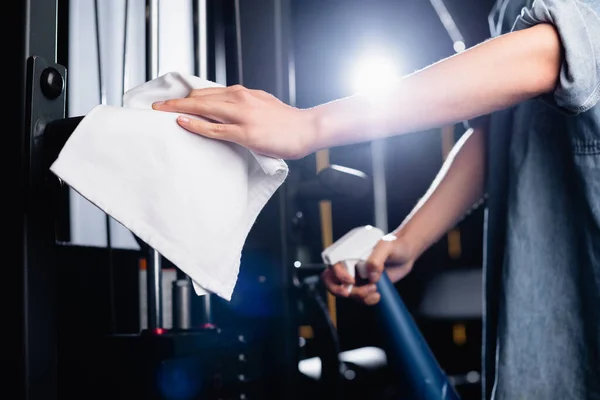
{"x": 578, "y": 25}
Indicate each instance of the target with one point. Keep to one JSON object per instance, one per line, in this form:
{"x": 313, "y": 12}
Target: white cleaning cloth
{"x": 192, "y": 199}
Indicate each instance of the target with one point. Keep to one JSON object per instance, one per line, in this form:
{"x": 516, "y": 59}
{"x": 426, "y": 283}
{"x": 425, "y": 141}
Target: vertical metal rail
{"x": 35, "y": 325}
{"x": 125, "y": 71}
{"x": 181, "y": 293}
{"x": 154, "y": 266}
{"x": 220, "y": 53}
{"x": 446, "y": 19}
{"x": 102, "y": 99}
{"x": 379, "y": 185}
{"x": 283, "y": 50}
{"x": 201, "y": 47}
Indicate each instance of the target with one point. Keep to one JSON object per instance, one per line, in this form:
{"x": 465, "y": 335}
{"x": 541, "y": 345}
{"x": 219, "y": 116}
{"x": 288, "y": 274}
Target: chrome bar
{"x": 154, "y": 269}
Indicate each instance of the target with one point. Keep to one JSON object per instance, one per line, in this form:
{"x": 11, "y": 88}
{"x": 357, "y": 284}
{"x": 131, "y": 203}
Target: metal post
{"x": 207, "y": 309}
{"x": 154, "y": 289}
{"x": 154, "y": 269}
{"x": 283, "y": 88}
{"x": 219, "y": 43}
{"x": 182, "y": 303}
{"x": 39, "y": 97}
{"x": 201, "y": 70}
{"x": 379, "y": 187}
{"x": 151, "y": 39}
{"x": 446, "y": 19}
{"x": 202, "y": 40}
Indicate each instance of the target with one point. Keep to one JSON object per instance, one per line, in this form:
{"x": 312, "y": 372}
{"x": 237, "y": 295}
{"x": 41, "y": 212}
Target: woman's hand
{"x": 396, "y": 254}
{"x": 251, "y": 118}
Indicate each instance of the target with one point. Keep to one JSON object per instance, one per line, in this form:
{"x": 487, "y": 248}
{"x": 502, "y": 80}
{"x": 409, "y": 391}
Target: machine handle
{"x": 410, "y": 354}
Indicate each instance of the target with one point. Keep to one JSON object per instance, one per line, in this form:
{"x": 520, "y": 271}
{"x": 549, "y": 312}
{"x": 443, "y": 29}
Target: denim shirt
{"x": 542, "y": 254}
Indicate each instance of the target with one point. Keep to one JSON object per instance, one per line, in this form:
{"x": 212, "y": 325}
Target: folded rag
{"x": 192, "y": 199}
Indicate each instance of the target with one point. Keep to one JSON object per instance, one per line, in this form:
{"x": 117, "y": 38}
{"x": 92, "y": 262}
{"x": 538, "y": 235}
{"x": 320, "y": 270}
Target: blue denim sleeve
{"x": 578, "y": 25}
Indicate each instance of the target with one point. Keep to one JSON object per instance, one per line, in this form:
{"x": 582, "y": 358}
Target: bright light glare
{"x": 373, "y": 73}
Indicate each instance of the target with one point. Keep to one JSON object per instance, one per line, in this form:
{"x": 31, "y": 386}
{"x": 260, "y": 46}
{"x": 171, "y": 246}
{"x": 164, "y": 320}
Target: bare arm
{"x": 491, "y": 76}
{"x": 456, "y": 188}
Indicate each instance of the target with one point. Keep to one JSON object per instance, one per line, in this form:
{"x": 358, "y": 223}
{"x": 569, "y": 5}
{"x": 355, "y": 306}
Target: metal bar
{"x": 102, "y": 99}
{"x": 101, "y": 86}
{"x": 449, "y": 24}
{"x": 36, "y": 282}
{"x": 410, "y": 354}
{"x": 154, "y": 289}
{"x": 201, "y": 70}
{"x": 207, "y": 313}
{"x": 282, "y": 24}
{"x": 279, "y": 49}
{"x": 220, "y": 50}
{"x": 39, "y": 247}
{"x": 154, "y": 269}
{"x": 41, "y": 29}
{"x": 125, "y": 82}
{"x": 202, "y": 39}
{"x": 152, "y": 39}
{"x": 379, "y": 186}
{"x": 238, "y": 42}
{"x": 182, "y": 303}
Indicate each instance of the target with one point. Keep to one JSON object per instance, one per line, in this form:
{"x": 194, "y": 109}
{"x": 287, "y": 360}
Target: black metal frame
{"x": 42, "y": 86}
{"x": 34, "y": 323}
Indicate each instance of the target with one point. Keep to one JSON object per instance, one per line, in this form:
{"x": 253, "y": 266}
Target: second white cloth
{"x": 192, "y": 199}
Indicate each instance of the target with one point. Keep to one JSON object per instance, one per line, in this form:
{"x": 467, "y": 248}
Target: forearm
{"x": 489, "y": 77}
{"x": 456, "y": 188}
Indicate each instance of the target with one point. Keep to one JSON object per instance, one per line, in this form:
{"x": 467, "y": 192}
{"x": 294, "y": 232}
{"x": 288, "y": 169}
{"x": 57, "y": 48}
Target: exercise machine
{"x": 65, "y": 349}
{"x": 409, "y": 353}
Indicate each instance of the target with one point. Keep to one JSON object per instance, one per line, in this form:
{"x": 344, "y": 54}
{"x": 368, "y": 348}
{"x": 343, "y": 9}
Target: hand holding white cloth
{"x": 192, "y": 199}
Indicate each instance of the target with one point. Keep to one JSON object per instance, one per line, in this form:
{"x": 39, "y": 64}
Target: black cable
{"x": 102, "y": 92}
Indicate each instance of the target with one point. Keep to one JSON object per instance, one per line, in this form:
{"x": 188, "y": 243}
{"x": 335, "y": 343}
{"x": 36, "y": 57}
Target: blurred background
{"x": 282, "y": 335}
{"x": 344, "y": 46}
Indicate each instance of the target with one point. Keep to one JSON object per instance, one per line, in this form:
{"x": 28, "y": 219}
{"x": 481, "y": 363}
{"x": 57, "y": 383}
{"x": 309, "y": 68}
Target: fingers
{"x": 364, "y": 293}
{"x": 207, "y": 91}
{"x": 230, "y": 92}
{"x": 215, "y": 90}
{"x": 228, "y": 132}
{"x": 216, "y": 97}
{"x": 334, "y": 285}
{"x": 338, "y": 280}
{"x": 219, "y": 111}
{"x": 342, "y": 274}
{"x": 372, "y": 299}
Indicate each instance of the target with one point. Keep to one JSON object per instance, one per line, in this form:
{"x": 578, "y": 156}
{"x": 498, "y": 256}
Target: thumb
{"x": 376, "y": 261}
